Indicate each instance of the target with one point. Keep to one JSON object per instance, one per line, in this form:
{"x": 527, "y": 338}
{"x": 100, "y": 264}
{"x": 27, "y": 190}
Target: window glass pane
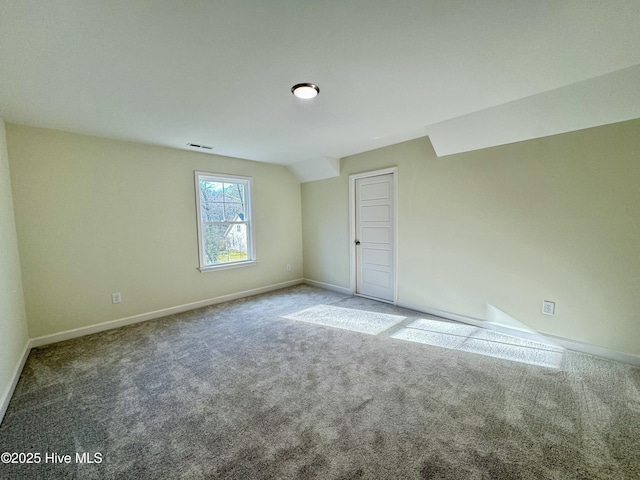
{"x": 211, "y": 191}
{"x": 236, "y": 242}
{"x": 224, "y": 219}
{"x": 213, "y": 237}
{"x": 234, "y": 192}
{"x": 212, "y": 212}
{"x": 224, "y": 243}
{"x": 234, "y": 212}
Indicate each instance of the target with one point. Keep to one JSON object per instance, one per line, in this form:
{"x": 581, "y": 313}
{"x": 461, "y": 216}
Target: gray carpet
{"x": 238, "y": 391}
{"x": 352, "y": 319}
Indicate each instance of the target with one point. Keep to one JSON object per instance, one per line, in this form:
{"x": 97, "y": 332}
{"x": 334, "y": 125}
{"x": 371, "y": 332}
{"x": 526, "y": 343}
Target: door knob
{"x": 357, "y": 242}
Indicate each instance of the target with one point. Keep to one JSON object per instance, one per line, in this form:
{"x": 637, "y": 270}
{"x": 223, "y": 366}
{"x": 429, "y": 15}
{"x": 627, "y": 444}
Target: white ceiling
{"x": 219, "y": 72}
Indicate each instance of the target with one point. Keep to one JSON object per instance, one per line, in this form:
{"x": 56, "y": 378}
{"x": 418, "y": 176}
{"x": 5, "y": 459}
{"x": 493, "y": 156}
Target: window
{"x": 225, "y": 232}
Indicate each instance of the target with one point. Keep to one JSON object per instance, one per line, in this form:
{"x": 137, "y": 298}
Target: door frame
{"x": 352, "y": 228}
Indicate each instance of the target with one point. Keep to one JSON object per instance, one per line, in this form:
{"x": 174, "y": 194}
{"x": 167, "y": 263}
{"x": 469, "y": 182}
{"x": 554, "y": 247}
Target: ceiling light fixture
{"x": 305, "y": 91}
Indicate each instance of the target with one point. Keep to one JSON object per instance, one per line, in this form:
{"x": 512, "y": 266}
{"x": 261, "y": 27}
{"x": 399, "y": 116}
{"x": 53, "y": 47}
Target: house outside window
{"x": 225, "y": 233}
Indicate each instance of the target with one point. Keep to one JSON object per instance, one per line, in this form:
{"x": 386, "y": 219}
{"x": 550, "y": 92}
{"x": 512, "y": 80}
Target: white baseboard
{"x": 567, "y": 343}
{"x": 476, "y": 322}
{"x": 17, "y": 371}
{"x": 595, "y": 350}
{"x": 328, "y": 286}
{"x": 143, "y": 317}
{"x": 82, "y": 331}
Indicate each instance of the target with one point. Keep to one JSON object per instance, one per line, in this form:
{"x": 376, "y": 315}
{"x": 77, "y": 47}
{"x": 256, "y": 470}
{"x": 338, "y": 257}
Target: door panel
{"x": 376, "y": 257}
{"x": 375, "y": 269}
{"x": 375, "y": 235}
{"x": 376, "y": 280}
{"x": 375, "y": 191}
{"x": 377, "y": 213}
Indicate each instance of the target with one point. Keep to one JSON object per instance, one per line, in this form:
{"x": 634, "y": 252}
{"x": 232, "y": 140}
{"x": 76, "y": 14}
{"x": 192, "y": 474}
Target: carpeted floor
{"x": 238, "y": 391}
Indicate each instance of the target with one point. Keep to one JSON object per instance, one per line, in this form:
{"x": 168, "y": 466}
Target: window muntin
{"x": 225, "y": 233}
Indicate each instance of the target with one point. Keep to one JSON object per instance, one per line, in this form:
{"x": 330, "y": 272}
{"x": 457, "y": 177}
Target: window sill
{"x": 227, "y": 266}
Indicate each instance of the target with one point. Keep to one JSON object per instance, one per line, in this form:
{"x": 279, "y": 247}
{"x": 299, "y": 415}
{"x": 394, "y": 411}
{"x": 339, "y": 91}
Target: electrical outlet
{"x": 548, "y": 308}
{"x": 288, "y": 267}
{"x": 116, "y": 298}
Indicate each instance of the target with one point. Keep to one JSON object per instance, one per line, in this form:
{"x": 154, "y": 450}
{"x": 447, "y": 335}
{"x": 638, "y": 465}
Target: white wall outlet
{"x": 548, "y": 308}
{"x": 288, "y": 267}
{"x": 116, "y": 298}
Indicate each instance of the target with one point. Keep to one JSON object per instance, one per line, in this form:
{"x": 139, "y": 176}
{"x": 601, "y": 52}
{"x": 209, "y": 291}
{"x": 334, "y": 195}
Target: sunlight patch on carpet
{"x": 481, "y": 341}
{"x": 362, "y": 321}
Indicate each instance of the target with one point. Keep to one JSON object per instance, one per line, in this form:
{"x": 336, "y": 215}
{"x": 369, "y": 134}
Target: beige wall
{"x": 556, "y": 218}
{"x": 96, "y": 216}
{"x": 13, "y": 325}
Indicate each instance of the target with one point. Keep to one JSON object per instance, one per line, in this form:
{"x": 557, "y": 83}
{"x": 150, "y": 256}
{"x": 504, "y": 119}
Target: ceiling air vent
{"x": 197, "y": 145}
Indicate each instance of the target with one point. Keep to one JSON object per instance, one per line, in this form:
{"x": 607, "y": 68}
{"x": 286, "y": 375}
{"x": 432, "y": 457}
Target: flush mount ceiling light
{"x": 305, "y": 91}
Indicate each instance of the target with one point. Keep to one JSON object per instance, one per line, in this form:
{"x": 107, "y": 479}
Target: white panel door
{"x": 375, "y": 224}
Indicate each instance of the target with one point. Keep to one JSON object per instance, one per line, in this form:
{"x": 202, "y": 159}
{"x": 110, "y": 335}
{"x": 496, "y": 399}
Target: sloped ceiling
{"x": 469, "y": 74}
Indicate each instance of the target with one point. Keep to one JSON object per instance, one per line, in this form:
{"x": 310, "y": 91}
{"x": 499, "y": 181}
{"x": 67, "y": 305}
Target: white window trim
{"x": 251, "y": 250}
